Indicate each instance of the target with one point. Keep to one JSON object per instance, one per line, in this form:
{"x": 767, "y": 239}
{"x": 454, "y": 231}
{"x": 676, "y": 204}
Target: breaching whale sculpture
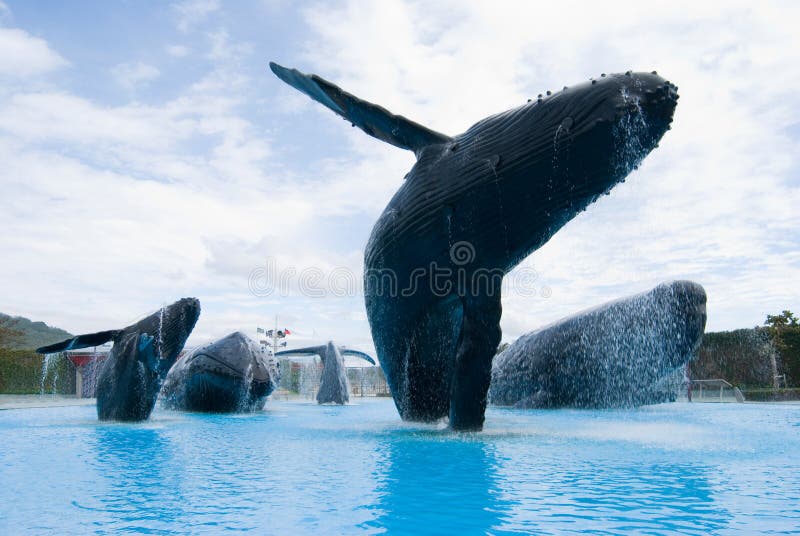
{"x": 619, "y": 354}
{"x": 333, "y": 386}
{"x": 232, "y": 374}
{"x": 130, "y": 378}
{"x": 472, "y": 207}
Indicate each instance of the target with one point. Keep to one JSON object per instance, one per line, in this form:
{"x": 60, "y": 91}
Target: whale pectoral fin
{"x": 81, "y": 341}
{"x": 146, "y": 352}
{"x": 362, "y": 355}
{"x": 472, "y": 374}
{"x": 376, "y": 121}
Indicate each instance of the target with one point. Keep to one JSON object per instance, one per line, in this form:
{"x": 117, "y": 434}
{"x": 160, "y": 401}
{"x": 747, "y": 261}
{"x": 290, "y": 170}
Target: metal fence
{"x": 714, "y": 390}
{"x": 303, "y": 378}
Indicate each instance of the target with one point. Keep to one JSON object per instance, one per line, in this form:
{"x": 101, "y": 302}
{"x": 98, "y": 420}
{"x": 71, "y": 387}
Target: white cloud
{"x": 124, "y": 185}
{"x": 192, "y": 12}
{"x": 134, "y": 74}
{"x": 178, "y": 51}
{"x": 707, "y": 205}
{"x": 117, "y": 208}
{"x": 24, "y": 55}
{"x": 224, "y": 49}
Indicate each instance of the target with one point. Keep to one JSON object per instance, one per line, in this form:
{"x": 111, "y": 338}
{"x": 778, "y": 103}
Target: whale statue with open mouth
{"x": 230, "y": 375}
{"x": 472, "y": 207}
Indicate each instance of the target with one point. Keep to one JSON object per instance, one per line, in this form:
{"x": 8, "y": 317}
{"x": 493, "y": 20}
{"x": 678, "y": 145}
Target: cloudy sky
{"x": 148, "y": 154}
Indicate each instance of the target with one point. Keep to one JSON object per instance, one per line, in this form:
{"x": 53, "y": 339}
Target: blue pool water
{"x": 299, "y": 468}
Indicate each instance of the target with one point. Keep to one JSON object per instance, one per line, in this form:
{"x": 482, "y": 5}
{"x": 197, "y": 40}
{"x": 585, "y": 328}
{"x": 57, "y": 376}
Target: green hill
{"x": 33, "y": 334}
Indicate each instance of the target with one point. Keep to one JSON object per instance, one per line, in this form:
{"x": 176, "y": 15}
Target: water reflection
{"x": 141, "y": 490}
{"x": 301, "y": 468}
{"x": 434, "y": 479}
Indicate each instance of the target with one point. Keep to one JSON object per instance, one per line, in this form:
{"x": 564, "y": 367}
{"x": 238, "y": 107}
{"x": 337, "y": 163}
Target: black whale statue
{"x": 472, "y": 207}
{"x": 619, "y": 354}
{"x": 232, "y": 374}
{"x": 128, "y": 381}
{"x": 333, "y": 386}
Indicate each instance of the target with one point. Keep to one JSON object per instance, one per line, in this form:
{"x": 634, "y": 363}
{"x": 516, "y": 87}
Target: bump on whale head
{"x": 600, "y": 130}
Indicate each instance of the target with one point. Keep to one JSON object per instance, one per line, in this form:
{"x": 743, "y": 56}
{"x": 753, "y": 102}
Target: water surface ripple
{"x": 299, "y": 468}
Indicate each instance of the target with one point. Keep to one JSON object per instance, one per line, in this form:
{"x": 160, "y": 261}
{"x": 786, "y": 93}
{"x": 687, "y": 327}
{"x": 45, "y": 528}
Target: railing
{"x": 713, "y": 390}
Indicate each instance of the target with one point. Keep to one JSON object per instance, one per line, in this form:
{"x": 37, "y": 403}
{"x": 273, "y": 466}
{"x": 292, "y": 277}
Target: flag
{"x": 286, "y": 331}
{"x": 259, "y": 330}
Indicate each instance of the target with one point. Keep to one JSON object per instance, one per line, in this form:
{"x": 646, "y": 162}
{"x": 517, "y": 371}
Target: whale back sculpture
{"x": 616, "y": 355}
{"x": 232, "y": 374}
{"x": 333, "y": 387}
{"x": 128, "y": 381}
{"x": 472, "y": 207}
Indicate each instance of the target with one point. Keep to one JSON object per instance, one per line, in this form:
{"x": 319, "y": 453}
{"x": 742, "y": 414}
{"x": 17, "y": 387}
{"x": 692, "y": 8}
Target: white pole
{"x": 275, "y": 337}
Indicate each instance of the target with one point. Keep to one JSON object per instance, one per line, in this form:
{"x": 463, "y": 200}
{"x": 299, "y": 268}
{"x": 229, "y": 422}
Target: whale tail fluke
{"x": 81, "y": 341}
{"x": 311, "y": 350}
{"x": 321, "y": 351}
{"x": 356, "y": 353}
{"x": 376, "y": 121}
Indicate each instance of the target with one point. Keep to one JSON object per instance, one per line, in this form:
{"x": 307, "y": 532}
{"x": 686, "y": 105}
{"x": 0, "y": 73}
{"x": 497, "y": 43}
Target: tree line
{"x": 760, "y": 357}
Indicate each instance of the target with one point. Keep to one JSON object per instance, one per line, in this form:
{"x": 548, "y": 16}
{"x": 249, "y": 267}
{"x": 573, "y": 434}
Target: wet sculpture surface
{"x": 472, "y": 207}
{"x": 334, "y": 387}
{"x": 232, "y": 374}
{"x": 131, "y": 377}
{"x": 619, "y": 354}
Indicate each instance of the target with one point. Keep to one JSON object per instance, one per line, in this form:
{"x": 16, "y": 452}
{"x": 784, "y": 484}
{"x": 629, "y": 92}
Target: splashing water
{"x": 47, "y": 364}
{"x": 247, "y": 387}
{"x": 160, "y": 329}
{"x": 310, "y": 377}
{"x": 629, "y": 133}
{"x": 620, "y": 354}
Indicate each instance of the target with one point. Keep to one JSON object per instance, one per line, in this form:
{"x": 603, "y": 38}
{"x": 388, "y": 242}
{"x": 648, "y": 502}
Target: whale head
{"x": 685, "y": 303}
{"x": 573, "y": 146}
{"x": 176, "y": 322}
{"x": 602, "y": 129}
{"x": 643, "y": 105}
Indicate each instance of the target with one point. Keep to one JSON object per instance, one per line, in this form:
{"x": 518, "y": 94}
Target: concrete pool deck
{"x": 42, "y": 401}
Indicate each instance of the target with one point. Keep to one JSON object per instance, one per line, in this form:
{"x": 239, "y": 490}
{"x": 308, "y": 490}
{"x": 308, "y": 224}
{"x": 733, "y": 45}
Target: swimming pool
{"x": 301, "y": 468}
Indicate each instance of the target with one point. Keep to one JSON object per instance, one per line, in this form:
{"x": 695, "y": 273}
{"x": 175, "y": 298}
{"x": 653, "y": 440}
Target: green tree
{"x": 783, "y": 320}
{"x": 784, "y": 328}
